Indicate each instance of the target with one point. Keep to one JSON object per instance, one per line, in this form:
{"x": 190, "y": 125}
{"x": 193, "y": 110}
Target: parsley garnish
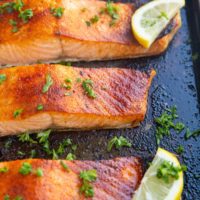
{"x": 20, "y": 153}
{"x": 118, "y": 143}
{"x": 180, "y": 149}
{"x": 13, "y": 23}
{"x": 25, "y": 169}
{"x": 112, "y": 11}
{"x": 32, "y": 153}
{"x": 4, "y": 170}
{"x": 166, "y": 122}
{"x": 40, "y": 107}
{"x": 39, "y": 172}
{"x": 26, "y": 138}
{"x": 64, "y": 165}
{"x": 17, "y": 113}
{"x": 70, "y": 156}
{"x": 63, "y": 145}
{"x": 87, "y": 177}
{"x": 26, "y": 15}
{"x": 48, "y": 84}
{"x": 190, "y": 134}
{"x": 167, "y": 171}
{"x": 88, "y": 88}
{"x": 18, "y": 198}
{"x": 54, "y": 155}
{"x": 93, "y": 20}
{"x": 57, "y": 12}
{"x": 6, "y": 197}
{"x": 2, "y": 78}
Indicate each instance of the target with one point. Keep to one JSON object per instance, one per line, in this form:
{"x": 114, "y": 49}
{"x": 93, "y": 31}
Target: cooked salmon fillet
{"x": 119, "y": 98}
{"x": 46, "y": 38}
{"x": 116, "y": 179}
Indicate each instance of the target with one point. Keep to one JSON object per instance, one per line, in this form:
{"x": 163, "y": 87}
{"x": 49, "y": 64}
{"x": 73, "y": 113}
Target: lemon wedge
{"x": 151, "y": 19}
{"x": 153, "y": 188}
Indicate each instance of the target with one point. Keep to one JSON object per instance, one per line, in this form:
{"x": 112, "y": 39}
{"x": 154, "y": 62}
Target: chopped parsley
{"x": 23, "y": 15}
{"x": 25, "y": 169}
{"x": 166, "y": 122}
{"x": 4, "y": 170}
{"x": 68, "y": 87}
{"x": 180, "y": 149}
{"x": 87, "y": 177}
{"x": 20, "y": 153}
{"x": 54, "y": 155}
{"x": 17, "y": 113}
{"x": 13, "y": 23}
{"x": 40, "y": 107}
{"x": 26, "y": 15}
{"x": 33, "y": 153}
{"x": 6, "y": 197}
{"x": 118, "y": 143}
{"x": 167, "y": 171}
{"x": 8, "y": 144}
{"x": 48, "y": 84}
{"x": 39, "y": 172}
{"x": 63, "y": 145}
{"x": 70, "y": 156}
{"x": 93, "y": 20}
{"x": 112, "y": 11}
{"x": 57, "y": 12}
{"x": 64, "y": 165}
{"x": 18, "y": 198}
{"x": 2, "y": 78}
{"x": 88, "y": 88}
{"x": 26, "y": 138}
{"x": 190, "y": 134}
{"x": 43, "y": 136}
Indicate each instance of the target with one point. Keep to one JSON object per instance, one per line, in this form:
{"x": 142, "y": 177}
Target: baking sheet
{"x": 177, "y": 83}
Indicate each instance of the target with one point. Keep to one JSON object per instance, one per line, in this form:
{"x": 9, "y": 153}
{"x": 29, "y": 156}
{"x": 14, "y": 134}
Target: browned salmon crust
{"x": 121, "y": 98}
{"x": 46, "y": 38}
{"x": 117, "y": 179}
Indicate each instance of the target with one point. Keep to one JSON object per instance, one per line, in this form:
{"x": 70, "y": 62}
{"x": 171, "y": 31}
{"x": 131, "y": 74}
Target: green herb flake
{"x": 2, "y": 78}
{"x": 40, "y": 107}
{"x": 54, "y": 155}
{"x": 88, "y": 23}
{"x": 118, "y": 143}
{"x": 94, "y": 19}
{"x": 180, "y": 149}
{"x": 26, "y": 138}
{"x": 78, "y": 80}
{"x": 17, "y": 113}
{"x": 8, "y": 144}
{"x": 48, "y": 84}
{"x": 20, "y": 153}
{"x": 70, "y": 156}
{"x": 166, "y": 122}
{"x": 88, "y": 88}
{"x": 39, "y": 172}
{"x": 87, "y": 177}
{"x": 6, "y": 197}
{"x": 33, "y": 153}
{"x": 68, "y": 87}
{"x": 18, "y": 198}
{"x": 43, "y": 136}
{"x": 167, "y": 171}
{"x": 4, "y": 170}
{"x": 25, "y": 169}
{"x": 57, "y": 12}
{"x": 190, "y": 134}
{"x": 68, "y": 80}
{"x": 26, "y": 15}
{"x": 65, "y": 143}
{"x": 64, "y": 165}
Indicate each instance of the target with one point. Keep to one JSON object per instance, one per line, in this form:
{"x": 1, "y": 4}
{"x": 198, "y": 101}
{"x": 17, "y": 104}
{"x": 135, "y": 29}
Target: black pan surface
{"x": 177, "y": 83}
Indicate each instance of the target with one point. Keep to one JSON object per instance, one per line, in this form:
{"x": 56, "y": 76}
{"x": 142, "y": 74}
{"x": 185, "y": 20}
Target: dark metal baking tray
{"x": 177, "y": 83}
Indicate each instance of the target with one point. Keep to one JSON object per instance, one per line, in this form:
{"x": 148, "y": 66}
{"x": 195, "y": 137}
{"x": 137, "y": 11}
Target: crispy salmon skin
{"x": 116, "y": 179}
{"x": 85, "y": 31}
{"x": 59, "y": 97}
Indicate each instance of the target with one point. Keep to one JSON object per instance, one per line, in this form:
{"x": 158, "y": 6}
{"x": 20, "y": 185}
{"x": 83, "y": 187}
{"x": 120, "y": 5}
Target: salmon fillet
{"x": 117, "y": 179}
{"x": 120, "y": 98}
{"x": 46, "y": 38}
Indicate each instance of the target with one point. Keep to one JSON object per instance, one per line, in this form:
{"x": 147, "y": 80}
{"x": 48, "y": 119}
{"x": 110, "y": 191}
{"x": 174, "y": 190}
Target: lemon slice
{"x": 153, "y": 188}
{"x": 151, "y": 19}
